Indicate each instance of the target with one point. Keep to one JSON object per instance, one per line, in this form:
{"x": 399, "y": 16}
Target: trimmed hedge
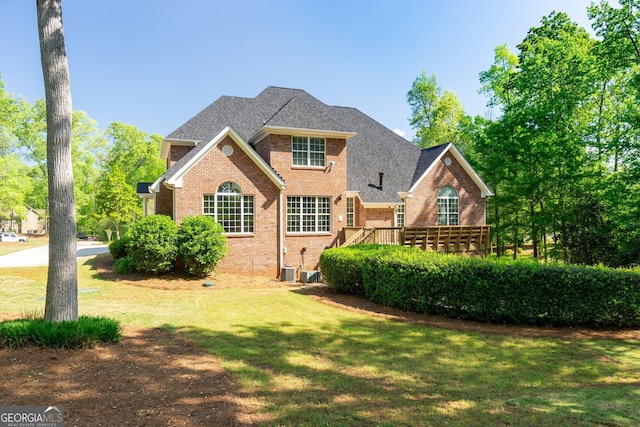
{"x": 342, "y": 267}
{"x": 493, "y": 291}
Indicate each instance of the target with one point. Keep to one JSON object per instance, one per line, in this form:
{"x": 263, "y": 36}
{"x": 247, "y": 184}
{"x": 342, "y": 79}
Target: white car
{"x": 12, "y": 237}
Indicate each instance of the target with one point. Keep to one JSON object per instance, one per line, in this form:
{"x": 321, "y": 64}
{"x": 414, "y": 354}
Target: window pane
{"x": 300, "y": 150}
{"x": 350, "y": 212}
{"x": 308, "y": 151}
{"x": 448, "y": 206}
{"x": 248, "y": 214}
{"x": 308, "y": 214}
{"x": 229, "y": 187}
{"x": 208, "y": 204}
{"x": 400, "y": 216}
{"x": 231, "y": 209}
{"x": 293, "y": 214}
{"x": 316, "y": 152}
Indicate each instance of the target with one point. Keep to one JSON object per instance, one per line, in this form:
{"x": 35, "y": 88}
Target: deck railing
{"x": 460, "y": 239}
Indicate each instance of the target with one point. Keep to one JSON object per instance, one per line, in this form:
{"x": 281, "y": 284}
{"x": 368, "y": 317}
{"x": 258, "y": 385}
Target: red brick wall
{"x": 258, "y": 252}
{"x": 422, "y": 208}
{"x": 305, "y": 181}
{"x": 378, "y": 217}
{"x": 164, "y": 201}
{"x": 176, "y": 153}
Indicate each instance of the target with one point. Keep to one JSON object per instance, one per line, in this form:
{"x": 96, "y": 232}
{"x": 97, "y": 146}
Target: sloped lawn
{"x": 297, "y": 360}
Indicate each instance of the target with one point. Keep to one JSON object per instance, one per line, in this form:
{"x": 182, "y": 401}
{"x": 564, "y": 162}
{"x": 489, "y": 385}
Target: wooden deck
{"x": 461, "y": 240}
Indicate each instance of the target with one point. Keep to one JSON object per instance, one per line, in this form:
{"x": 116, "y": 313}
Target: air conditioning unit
{"x": 288, "y": 274}
{"x": 308, "y": 276}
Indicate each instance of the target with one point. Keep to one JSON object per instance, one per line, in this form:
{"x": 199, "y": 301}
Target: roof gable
{"x": 430, "y": 157}
{"x": 173, "y": 176}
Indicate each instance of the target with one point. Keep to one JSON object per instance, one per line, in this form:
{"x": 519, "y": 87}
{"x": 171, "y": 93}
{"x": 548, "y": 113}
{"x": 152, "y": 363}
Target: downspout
{"x": 280, "y": 231}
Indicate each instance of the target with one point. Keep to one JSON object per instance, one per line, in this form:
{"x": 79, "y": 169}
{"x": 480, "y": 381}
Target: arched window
{"x": 448, "y": 206}
{"x": 231, "y": 209}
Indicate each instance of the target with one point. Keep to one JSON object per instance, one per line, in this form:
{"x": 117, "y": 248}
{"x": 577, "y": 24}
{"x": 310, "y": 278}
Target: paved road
{"x": 40, "y": 256}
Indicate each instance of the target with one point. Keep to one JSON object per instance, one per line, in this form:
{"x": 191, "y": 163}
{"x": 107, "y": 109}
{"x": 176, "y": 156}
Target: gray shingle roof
{"x": 427, "y": 157}
{"x": 374, "y": 149}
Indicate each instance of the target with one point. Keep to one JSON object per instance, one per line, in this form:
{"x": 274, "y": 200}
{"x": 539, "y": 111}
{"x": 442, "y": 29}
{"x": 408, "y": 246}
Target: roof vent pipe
{"x": 380, "y": 175}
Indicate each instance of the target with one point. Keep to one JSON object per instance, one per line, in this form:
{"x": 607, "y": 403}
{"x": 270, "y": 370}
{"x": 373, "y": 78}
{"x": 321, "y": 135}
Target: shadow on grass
{"x": 152, "y": 377}
{"x": 102, "y": 268}
{"x": 389, "y": 373}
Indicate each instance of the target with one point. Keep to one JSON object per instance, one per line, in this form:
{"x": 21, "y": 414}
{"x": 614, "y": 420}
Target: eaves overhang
{"x": 485, "y": 191}
{"x": 175, "y": 180}
{"x": 279, "y": 130}
{"x": 168, "y": 142}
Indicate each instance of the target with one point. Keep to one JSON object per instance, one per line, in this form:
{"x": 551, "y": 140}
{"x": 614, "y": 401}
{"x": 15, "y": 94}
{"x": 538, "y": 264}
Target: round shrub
{"x": 119, "y": 248}
{"x": 125, "y": 265}
{"x": 153, "y": 244}
{"x": 201, "y": 244}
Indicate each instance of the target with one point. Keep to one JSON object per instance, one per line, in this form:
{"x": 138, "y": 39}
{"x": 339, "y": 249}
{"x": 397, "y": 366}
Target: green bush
{"x": 153, "y": 244}
{"x": 119, "y": 248}
{"x": 518, "y": 292}
{"x": 70, "y": 335}
{"x": 342, "y": 267}
{"x": 201, "y": 244}
{"x": 125, "y": 265}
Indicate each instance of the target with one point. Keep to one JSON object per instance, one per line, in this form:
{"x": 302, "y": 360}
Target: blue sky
{"x": 156, "y": 63}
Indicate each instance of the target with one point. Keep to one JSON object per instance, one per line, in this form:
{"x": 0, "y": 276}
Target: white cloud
{"x": 400, "y": 132}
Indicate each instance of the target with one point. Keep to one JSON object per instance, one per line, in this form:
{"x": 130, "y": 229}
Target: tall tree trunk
{"x": 62, "y": 281}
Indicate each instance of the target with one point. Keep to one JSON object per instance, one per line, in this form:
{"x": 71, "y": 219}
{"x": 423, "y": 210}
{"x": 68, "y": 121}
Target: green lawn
{"x": 313, "y": 364}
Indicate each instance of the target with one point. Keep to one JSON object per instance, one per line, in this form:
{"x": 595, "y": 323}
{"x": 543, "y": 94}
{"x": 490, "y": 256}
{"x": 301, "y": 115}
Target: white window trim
{"x": 316, "y": 215}
{"x": 243, "y": 213}
{"x": 351, "y": 211}
{"x": 449, "y": 213}
{"x": 400, "y": 210}
{"x": 308, "y": 152}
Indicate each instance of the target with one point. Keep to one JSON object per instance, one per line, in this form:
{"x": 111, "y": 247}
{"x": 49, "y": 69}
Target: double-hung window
{"x": 350, "y": 212}
{"x": 230, "y": 208}
{"x": 308, "y": 151}
{"x": 306, "y": 214}
{"x": 448, "y": 206}
{"x": 400, "y": 215}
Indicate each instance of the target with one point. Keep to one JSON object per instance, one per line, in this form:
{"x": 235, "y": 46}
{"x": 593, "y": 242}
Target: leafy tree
{"x": 538, "y": 150}
{"x": 117, "y": 201}
{"x": 62, "y": 279}
{"x": 134, "y": 152}
{"x": 588, "y": 233}
{"x": 616, "y": 129}
{"x": 435, "y": 114}
{"x": 13, "y": 187}
{"x": 9, "y": 108}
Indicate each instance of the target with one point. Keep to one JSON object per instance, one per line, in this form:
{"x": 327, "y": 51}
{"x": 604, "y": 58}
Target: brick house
{"x": 287, "y": 176}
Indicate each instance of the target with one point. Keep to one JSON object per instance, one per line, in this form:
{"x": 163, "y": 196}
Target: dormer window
{"x": 308, "y": 151}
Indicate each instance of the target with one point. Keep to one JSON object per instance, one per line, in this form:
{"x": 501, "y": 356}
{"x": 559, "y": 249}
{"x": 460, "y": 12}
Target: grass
{"x": 312, "y": 364}
{"x": 9, "y": 247}
{"x": 33, "y": 330}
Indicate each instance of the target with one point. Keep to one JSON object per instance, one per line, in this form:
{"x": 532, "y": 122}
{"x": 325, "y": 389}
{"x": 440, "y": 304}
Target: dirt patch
{"x": 151, "y": 378}
{"x": 103, "y": 265}
{"x": 154, "y": 377}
